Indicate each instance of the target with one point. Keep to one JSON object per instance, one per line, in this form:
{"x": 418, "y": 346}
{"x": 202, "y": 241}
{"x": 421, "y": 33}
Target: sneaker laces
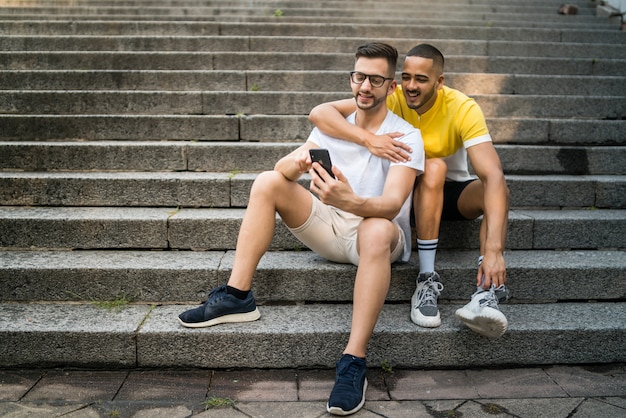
{"x": 429, "y": 292}
{"x": 212, "y": 294}
{"x": 489, "y": 297}
{"x": 349, "y": 372}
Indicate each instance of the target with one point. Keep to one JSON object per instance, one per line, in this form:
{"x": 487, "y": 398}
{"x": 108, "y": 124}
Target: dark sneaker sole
{"x": 335, "y": 410}
{"x": 491, "y": 323}
{"x": 232, "y": 318}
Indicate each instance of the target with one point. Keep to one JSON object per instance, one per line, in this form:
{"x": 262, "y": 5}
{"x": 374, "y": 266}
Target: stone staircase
{"x": 131, "y": 131}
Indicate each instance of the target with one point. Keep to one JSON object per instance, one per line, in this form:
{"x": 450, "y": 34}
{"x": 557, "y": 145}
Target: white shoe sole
{"x": 490, "y": 323}
{"x": 338, "y": 411}
{"x": 425, "y": 321}
{"x": 240, "y": 317}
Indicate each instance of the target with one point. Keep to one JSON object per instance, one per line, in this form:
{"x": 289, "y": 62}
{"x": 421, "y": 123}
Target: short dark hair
{"x": 379, "y": 50}
{"x": 429, "y": 52}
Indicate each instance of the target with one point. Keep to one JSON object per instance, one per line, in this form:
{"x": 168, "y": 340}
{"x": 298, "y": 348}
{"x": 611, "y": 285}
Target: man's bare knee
{"x": 376, "y": 235}
{"x": 434, "y": 176}
{"x": 268, "y": 181}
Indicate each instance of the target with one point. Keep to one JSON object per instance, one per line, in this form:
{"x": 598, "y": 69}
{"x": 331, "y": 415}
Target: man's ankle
{"x": 239, "y": 294}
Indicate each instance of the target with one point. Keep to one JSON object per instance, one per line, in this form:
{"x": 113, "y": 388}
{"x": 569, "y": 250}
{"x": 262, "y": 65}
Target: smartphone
{"x": 321, "y": 156}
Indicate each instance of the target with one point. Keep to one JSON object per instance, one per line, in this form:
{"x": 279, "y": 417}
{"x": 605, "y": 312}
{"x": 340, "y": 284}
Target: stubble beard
{"x": 377, "y": 101}
{"x": 423, "y": 99}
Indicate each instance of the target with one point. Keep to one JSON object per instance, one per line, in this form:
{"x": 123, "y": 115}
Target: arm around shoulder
{"x": 330, "y": 118}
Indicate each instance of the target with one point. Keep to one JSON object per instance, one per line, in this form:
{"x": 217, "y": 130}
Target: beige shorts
{"x": 332, "y": 234}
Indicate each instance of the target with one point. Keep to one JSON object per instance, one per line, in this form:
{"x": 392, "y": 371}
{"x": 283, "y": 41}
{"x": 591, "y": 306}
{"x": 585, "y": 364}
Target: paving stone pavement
{"x": 596, "y": 391}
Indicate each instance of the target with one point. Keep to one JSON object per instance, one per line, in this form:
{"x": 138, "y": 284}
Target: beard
{"x": 371, "y": 102}
{"x": 415, "y": 99}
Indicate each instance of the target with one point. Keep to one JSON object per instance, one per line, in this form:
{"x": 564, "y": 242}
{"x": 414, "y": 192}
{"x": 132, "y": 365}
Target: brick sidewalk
{"x": 554, "y": 391}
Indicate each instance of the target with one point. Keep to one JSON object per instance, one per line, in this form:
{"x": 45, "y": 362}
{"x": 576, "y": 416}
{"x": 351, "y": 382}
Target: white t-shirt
{"x": 366, "y": 173}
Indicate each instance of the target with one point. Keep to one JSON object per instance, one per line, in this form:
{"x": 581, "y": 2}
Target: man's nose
{"x": 367, "y": 86}
{"x": 411, "y": 84}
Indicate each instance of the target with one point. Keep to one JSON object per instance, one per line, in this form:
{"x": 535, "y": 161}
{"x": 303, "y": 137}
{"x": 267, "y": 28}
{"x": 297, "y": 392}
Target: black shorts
{"x": 451, "y": 192}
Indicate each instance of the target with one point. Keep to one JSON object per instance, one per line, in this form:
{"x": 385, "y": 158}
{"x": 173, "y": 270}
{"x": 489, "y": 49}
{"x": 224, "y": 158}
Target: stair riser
{"x": 217, "y": 229}
{"x": 281, "y": 103}
{"x": 587, "y": 23}
{"x": 219, "y": 191}
{"x": 331, "y": 81}
{"x": 434, "y": 11}
{"x": 146, "y": 277}
{"x": 278, "y": 128}
{"x": 250, "y": 157}
{"x": 290, "y": 61}
{"x": 310, "y": 44}
{"x": 360, "y": 29}
{"x": 392, "y": 346}
{"x": 370, "y": 4}
{"x": 168, "y": 127}
{"x": 315, "y": 336}
{"x": 296, "y": 3}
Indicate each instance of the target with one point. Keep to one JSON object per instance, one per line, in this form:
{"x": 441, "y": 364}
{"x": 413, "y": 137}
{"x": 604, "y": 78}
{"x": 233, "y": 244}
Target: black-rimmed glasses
{"x": 375, "y": 80}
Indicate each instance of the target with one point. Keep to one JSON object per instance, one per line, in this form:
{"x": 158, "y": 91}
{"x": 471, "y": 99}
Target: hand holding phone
{"x": 321, "y": 156}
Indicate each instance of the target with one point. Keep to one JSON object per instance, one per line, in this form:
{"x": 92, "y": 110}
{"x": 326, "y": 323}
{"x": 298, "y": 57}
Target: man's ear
{"x": 392, "y": 87}
{"x": 440, "y": 80}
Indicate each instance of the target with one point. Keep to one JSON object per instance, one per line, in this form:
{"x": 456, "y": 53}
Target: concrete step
{"x": 224, "y": 190}
{"x": 296, "y": 3}
{"x": 289, "y": 8}
{"x": 241, "y": 127}
{"x": 303, "y": 61}
{"x": 461, "y": 31}
{"x": 217, "y": 229}
{"x": 444, "y": 19}
{"x": 449, "y": 47}
{"x": 333, "y": 16}
{"x": 565, "y": 264}
{"x": 460, "y": 11}
{"x": 534, "y": 276}
{"x": 48, "y": 335}
{"x": 235, "y": 157}
{"x": 435, "y": 11}
{"x": 277, "y": 80}
{"x": 61, "y": 102}
{"x": 348, "y": 10}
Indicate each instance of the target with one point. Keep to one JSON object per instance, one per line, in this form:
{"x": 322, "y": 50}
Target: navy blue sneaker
{"x": 348, "y": 394}
{"x": 220, "y": 308}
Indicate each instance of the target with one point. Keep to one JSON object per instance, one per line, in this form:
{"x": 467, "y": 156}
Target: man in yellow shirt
{"x": 453, "y": 128}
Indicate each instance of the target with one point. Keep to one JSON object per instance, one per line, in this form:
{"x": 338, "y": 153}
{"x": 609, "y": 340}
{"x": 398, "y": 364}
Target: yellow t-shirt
{"x": 454, "y": 123}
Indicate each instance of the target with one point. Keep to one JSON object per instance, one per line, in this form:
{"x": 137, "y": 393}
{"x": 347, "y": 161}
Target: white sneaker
{"x": 424, "y": 310}
{"x": 482, "y": 314}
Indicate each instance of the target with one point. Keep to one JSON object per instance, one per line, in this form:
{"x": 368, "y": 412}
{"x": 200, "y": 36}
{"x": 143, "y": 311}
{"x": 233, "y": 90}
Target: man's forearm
{"x": 496, "y": 213}
{"x": 397, "y": 189}
{"x": 486, "y": 163}
{"x": 373, "y": 207}
{"x": 330, "y": 121}
{"x": 290, "y": 165}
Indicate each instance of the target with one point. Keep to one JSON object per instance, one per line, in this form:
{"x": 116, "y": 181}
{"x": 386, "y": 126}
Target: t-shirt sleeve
{"x": 472, "y": 125}
{"x": 316, "y": 137}
{"x": 414, "y": 140}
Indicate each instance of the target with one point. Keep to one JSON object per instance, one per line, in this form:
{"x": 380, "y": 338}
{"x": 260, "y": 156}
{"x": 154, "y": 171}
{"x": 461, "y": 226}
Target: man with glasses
{"x": 453, "y": 128}
{"x": 360, "y": 216}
